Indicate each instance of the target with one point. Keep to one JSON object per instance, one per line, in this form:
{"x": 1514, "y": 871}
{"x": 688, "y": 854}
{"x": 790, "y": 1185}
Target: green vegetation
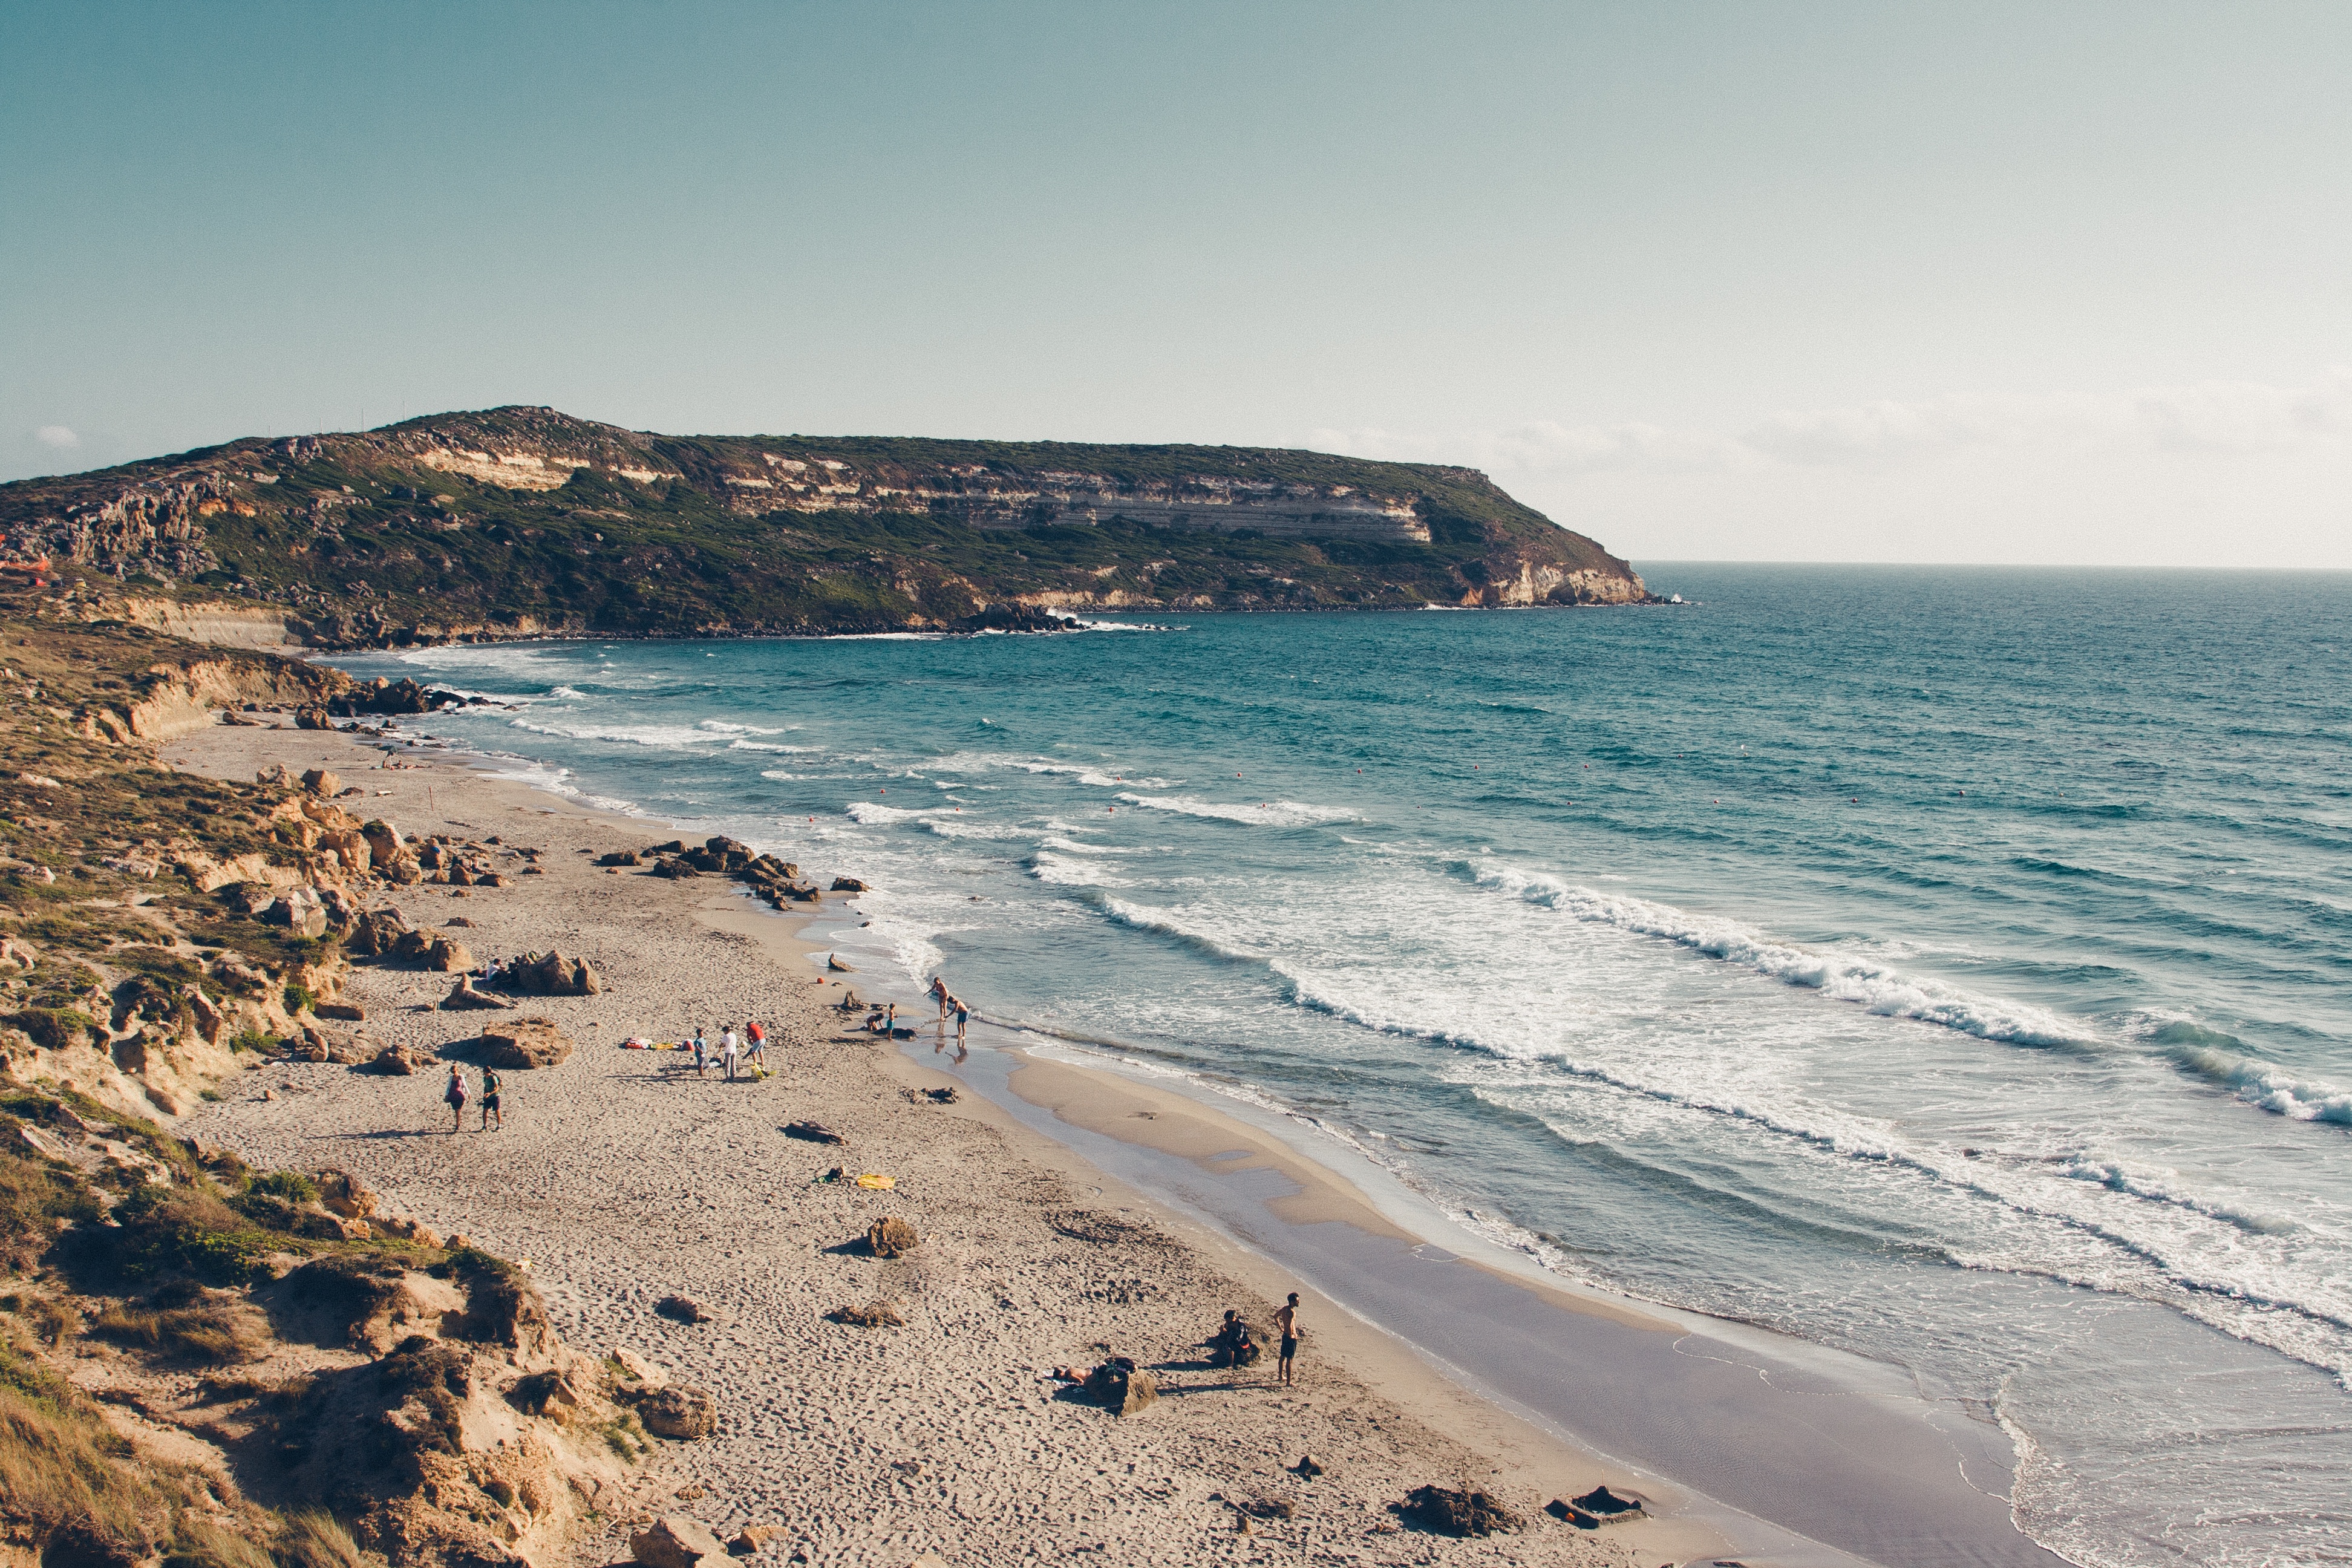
{"x": 376, "y": 537}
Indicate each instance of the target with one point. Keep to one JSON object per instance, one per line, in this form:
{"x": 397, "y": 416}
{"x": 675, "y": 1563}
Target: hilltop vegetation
{"x": 523, "y": 520}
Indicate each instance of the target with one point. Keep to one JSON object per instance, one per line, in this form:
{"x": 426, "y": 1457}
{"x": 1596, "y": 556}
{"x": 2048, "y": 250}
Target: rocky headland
{"x": 517, "y": 522}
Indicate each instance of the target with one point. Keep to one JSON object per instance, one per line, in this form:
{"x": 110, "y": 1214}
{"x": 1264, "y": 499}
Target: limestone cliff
{"x": 524, "y": 521}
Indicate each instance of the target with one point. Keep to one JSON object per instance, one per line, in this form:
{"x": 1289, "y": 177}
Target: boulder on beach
{"x": 891, "y": 1237}
{"x": 463, "y": 996}
{"x": 346, "y": 1195}
{"x": 873, "y": 1315}
{"x": 399, "y": 1061}
{"x": 322, "y": 782}
{"x": 526, "y": 1043}
{"x": 833, "y": 962}
{"x": 619, "y": 858}
{"x": 682, "y": 1309}
{"x": 849, "y": 885}
{"x": 674, "y": 869}
{"x": 554, "y": 974}
{"x": 1596, "y": 1507}
{"x": 675, "y": 1540}
{"x": 677, "y": 1410}
{"x": 1449, "y": 1513}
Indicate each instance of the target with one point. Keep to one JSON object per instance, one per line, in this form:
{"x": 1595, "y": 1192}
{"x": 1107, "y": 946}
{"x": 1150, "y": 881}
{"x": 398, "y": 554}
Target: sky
{"x": 1968, "y": 282}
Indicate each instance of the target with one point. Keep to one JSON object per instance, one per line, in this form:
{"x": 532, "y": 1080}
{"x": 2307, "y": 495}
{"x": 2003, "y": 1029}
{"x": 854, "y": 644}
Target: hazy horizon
{"x": 1994, "y": 284}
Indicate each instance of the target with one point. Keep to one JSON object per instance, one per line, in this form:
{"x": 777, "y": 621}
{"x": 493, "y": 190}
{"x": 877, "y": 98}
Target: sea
{"x": 1950, "y": 966}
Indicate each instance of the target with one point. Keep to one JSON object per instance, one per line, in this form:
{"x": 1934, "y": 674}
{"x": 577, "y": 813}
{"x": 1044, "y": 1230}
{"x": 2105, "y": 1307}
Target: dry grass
{"x": 209, "y": 1546}
{"x": 61, "y": 1466}
{"x": 220, "y": 1332}
{"x": 314, "y": 1538}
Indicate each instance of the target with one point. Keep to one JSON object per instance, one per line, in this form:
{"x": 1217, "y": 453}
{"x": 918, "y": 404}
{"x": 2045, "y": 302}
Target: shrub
{"x": 53, "y": 1028}
{"x": 291, "y": 1186}
{"x": 178, "y": 1229}
{"x": 298, "y": 999}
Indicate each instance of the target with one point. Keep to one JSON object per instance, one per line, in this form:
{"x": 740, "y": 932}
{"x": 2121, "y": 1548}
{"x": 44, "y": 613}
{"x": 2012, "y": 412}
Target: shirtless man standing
{"x": 1285, "y": 1318}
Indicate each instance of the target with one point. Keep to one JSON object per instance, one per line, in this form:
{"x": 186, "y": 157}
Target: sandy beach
{"x": 622, "y": 1178}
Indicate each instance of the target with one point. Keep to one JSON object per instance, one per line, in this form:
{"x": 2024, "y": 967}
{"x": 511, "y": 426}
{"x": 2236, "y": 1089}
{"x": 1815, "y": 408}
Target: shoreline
{"x": 1910, "y": 1479}
{"x": 636, "y": 1179}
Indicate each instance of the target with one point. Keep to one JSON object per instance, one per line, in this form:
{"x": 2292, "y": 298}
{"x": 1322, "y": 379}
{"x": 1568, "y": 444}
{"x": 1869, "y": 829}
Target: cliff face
{"x": 520, "y": 521}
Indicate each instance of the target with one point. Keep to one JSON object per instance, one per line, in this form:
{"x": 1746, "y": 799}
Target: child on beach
{"x": 490, "y": 1111}
{"x": 455, "y": 1094}
{"x": 1285, "y": 1318}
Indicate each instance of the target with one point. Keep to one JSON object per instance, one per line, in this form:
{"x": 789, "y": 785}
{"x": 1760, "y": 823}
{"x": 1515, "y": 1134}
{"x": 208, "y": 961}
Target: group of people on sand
{"x": 1234, "y": 1345}
{"x": 737, "y": 1053}
{"x": 456, "y": 1093}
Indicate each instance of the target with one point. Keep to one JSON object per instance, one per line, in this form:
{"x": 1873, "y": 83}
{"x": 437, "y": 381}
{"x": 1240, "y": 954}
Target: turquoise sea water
{"x": 1953, "y": 966}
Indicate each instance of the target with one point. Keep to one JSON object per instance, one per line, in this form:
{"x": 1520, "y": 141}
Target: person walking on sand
{"x": 701, "y": 1052}
{"x": 730, "y": 1051}
{"x": 454, "y": 1092}
{"x": 490, "y": 1111}
{"x": 1285, "y": 1318}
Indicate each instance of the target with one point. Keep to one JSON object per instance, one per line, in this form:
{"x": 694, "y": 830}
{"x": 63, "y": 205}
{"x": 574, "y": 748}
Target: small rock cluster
{"x": 778, "y": 882}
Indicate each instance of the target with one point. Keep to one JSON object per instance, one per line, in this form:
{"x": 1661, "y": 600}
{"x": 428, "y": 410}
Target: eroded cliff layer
{"x": 522, "y": 521}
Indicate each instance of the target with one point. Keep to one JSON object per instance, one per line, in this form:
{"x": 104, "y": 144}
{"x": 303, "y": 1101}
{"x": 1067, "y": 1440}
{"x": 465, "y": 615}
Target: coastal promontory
{"x": 524, "y": 521}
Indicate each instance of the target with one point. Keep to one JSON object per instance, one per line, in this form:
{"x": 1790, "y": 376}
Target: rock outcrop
{"x": 525, "y": 1044}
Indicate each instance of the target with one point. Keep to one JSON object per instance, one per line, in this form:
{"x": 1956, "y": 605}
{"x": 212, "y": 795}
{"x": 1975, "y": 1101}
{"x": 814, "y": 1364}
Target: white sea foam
{"x": 955, "y": 826}
{"x": 1257, "y": 813}
{"x": 1071, "y": 846}
{"x": 1061, "y": 870}
{"x": 1846, "y": 977}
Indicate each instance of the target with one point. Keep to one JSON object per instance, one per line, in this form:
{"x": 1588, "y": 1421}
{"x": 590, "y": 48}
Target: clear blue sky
{"x": 1975, "y": 281}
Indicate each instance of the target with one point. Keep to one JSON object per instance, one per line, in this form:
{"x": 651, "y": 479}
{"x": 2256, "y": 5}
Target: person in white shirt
{"x": 730, "y": 1050}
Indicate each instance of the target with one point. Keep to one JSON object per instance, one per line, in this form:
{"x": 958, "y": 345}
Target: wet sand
{"x": 622, "y": 1178}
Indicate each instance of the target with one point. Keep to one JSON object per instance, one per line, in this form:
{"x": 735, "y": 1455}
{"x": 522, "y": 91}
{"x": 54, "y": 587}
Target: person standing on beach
{"x": 455, "y": 1094}
{"x": 701, "y": 1052}
{"x": 940, "y": 994}
{"x": 962, "y": 1016}
{"x": 490, "y": 1111}
{"x": 1285, "y": 1318}
{"x": 755, "y": 1048}
{"x": 730, "y": 1051}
